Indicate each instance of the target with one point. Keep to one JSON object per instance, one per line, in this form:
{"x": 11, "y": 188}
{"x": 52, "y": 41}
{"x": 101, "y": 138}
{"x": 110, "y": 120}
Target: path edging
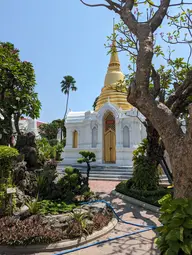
{"x": 136, "y": 201}
{"x": 63, "y": 245}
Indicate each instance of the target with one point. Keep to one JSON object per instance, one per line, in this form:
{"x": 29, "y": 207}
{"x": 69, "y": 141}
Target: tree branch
{"x": 112, "y": 5}
{"x": 184, "y": 89}
{"x": 158, "y": 17}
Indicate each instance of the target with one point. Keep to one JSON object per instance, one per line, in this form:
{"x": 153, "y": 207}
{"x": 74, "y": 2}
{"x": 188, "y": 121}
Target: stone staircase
{"x": 108, "y": 172}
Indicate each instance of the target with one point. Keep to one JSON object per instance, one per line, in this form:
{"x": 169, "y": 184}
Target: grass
{"x": 150, "y": 197}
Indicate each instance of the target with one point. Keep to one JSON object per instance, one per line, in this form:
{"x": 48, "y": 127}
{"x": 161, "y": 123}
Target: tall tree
{"x": 17, "y": 91}
{"x": 50, "y": 130}
{"x": 143, "y": 97}
{"x": 67, "y": 85}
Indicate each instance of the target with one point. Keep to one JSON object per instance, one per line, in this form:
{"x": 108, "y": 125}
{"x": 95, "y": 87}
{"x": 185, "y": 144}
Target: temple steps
{"x": 109, "y": 172}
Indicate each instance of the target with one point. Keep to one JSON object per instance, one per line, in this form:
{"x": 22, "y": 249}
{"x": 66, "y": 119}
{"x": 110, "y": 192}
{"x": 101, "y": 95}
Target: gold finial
{"x": 114, "y": 63}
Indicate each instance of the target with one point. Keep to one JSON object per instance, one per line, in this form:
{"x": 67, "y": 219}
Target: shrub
{"x": 87, "y": 157}
{"x": 71, "y": 184}
{"x": 101, "y": 221}
{"x": 45, "y": 151}
{"x": 51, "y": 149}
{"x": 46, "y": 180}
{"x": 150, "y": 197}
{"x": 53, "y": 142}
{"x": 33, "y": 206}
{"x": 55, "y": 207}
{"x": 59, "y": 149}
{"x": 145, "y": 174}
{"x": 7, "y": 157}
{"x": 175, "y": 236}
{"x": 29, "y": 231}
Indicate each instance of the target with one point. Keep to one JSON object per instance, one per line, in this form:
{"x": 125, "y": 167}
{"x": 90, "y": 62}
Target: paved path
{"x": 103, "y": 186}
{"x": 140, "y": 244}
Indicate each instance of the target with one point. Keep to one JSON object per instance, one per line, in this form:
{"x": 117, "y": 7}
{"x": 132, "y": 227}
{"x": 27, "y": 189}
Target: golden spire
{"x": 112, "y": 78}
{"x": 114, "y": 63}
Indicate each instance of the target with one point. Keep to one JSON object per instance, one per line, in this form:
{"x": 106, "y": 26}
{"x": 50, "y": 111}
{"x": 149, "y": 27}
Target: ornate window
{"x": 75, "y": 139}
{"x": 126, "y": 137}
{"x": 94, "y": 137}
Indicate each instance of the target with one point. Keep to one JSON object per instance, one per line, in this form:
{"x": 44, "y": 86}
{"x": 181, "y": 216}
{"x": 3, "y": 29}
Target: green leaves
{"x": 186, "y": 248}
{"x": 88, "y": 157}
{"x": 17, "y": 84}
{"x": 54, "y": 207}
{"x": 176, "y": 233}
{"x": 67, "y": 84}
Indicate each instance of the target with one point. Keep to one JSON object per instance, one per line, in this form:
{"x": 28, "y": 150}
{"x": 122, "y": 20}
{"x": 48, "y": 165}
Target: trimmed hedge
{"x": 150, "y": 197}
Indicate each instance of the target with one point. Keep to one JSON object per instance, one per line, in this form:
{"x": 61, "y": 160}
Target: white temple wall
{"x": 129, "y": 133}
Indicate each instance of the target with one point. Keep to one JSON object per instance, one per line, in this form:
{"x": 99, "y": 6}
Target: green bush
{"x": 53, "y": 142}
{"x": 150, "y": 197}
{"x": 46, "y": 180}
{"x": 55, "y": 207}
{"x": 145, "y": 174}
{"x": 49, "y": 149}
{"x": 33, "y": 206}
{"x": 71, "y": 185}
{"x": 45, "y": 151}
{"x": 7, "y": 157}
{"x": 87, "y": 157}
{"x": 58, "y": 149}
{"x": 175, "y": 236}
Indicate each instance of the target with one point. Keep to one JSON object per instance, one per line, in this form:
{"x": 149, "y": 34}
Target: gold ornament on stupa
{"x": 113, "y": 78}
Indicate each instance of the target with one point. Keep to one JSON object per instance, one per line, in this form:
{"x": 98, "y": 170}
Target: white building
{"x": 30, "y": 125}
{"x": 112, "y": 131}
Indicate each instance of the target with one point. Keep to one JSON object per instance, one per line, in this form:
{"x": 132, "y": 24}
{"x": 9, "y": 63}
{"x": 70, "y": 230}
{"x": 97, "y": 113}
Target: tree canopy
{"x": 17, "y": 89}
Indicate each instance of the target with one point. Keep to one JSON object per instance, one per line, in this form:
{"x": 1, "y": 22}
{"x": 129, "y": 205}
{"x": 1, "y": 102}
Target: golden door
{"x": 110, "y": 146}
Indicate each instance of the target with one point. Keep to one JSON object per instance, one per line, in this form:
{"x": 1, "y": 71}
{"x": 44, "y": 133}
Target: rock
{"x": 26, "y": 146}
{"x": 60, "y": 225}
{"x": 60, "y": 218}
{"x": 21, "y": 198}
{"x": 26, "y": 181}
{"x": 89, "y": 222}
{"x": 65, "y": 218}
{"x": 80, "y": 210}
{"x": 23, "y": 212}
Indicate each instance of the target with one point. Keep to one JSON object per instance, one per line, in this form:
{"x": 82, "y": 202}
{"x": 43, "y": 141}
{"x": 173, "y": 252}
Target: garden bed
{"x": 150, "y": 197}
{"x": 41, "y": 229}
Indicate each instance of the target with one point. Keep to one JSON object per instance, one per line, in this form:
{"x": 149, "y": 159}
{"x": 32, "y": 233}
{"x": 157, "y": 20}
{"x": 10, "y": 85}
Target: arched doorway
{"x": 109, "y": 138}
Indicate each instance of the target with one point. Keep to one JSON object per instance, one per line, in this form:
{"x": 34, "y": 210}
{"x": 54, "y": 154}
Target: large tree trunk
{"x": 181, "y": 162}
{"x": 16, "y": 123}
{"x": 155, "y": 150}
{"x": 161, "y": 117}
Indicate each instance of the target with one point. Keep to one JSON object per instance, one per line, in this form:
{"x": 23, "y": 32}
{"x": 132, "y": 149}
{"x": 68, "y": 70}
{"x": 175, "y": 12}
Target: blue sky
{"x": 61, "y": 37}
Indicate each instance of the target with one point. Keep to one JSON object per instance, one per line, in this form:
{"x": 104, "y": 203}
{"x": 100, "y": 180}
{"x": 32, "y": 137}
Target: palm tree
{"x": 67, "y": 84}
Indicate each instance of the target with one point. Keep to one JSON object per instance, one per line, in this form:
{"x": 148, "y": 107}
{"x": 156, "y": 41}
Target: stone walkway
{"x": 140, "y": 244}
{"x": 103, "y": 186}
